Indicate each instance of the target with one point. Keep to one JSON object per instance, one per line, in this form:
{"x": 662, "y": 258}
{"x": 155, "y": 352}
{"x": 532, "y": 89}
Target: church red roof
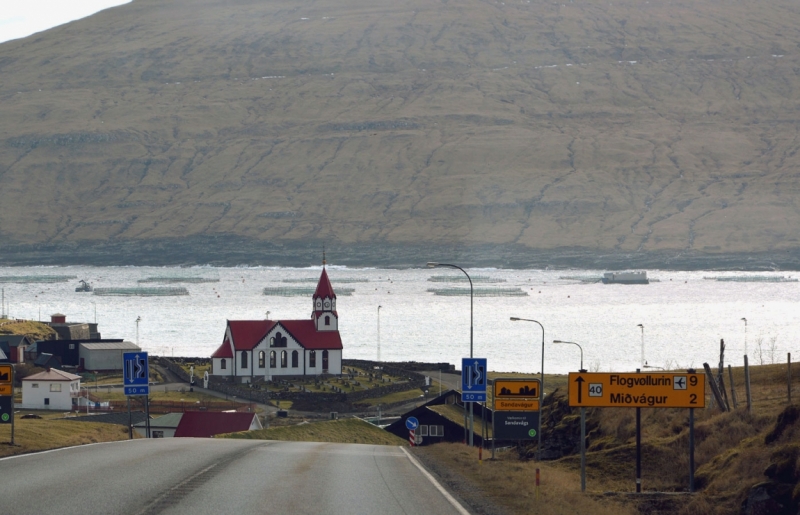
{"x": 205, "y": 424}
{"x": 224, "y": 350}
{"x": 324, "y": 288}
{"x": 306, "y": 334}
{"x": 247, "y": 333}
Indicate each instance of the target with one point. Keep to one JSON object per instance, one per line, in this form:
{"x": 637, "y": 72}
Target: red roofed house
{"x": 268, "y": 348}
{"x": 205, "y": 424}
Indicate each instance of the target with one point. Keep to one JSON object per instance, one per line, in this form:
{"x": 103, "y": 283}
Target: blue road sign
{"x": 135, "y": 373}
{"x": 473, "y": 379}
{"x": 412, "y": 423}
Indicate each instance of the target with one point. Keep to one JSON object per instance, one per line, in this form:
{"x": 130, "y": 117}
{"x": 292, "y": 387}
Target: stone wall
{"x": 327, "y": 401}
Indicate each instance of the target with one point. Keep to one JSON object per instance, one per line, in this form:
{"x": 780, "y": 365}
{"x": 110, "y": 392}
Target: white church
{"x": 274, "y": 348}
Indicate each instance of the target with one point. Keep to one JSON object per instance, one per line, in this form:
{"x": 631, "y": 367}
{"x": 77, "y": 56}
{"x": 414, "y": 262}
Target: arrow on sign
{"x": 139, "y": 367}
{"x": 579, "y": 380}
{"x": 130, "y": 370}
{"x": 478, "y": 378}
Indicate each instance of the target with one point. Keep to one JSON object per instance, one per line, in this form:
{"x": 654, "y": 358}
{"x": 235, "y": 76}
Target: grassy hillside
{"x": 617, "y": 127}
{"x": 349, "y": 430}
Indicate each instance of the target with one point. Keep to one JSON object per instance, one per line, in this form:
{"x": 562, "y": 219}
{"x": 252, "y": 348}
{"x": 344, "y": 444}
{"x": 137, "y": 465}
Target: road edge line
{"x": 438, "y": 486}
{"x": 46, "y": 451}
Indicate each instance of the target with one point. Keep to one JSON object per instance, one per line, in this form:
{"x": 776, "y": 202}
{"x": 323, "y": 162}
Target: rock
{"x": 769, "y": 498}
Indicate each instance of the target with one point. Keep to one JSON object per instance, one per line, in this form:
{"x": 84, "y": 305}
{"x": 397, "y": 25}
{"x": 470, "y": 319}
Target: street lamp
{"x": 583, "y": 424}
{"x": 745, "y": 335}
{"x": 573, "y": 343}
{"x": 379, "y": 333}
{"x": 138, "y": 319}
{"x": 515, "y": 319}
{"x": 642, "y": 327}
{"x": 471, "y": 296}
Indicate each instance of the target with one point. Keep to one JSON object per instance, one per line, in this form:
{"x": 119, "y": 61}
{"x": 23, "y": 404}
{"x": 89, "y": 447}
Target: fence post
{"x": 733, "y": 390}
{"x": 747, "y": 385}
{"x": 712, "y": 382}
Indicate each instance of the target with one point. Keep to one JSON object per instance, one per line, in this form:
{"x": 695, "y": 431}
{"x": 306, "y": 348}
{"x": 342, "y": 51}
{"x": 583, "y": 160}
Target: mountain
{"x": 662, "y": 133}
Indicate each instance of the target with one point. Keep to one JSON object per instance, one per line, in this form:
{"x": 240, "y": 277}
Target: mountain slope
{"x": 615, "y": 127}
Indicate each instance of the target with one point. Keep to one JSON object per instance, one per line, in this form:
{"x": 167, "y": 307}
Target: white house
{"x": 269, "y": 348}
{"x": 52, "y": 389}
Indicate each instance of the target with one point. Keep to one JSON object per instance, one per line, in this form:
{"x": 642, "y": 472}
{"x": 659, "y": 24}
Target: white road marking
{"x": 439, "y": 487}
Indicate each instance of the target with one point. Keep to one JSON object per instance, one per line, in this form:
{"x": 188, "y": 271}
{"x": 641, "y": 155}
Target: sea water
{"x": 683, "y": 315}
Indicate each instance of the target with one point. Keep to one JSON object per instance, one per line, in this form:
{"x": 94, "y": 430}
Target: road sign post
{"x": 630, "y": 390}
{"x": 516, "y": 408}
{"x": 473, "y": 380}
{"x": 638, "y": 390}
{"x": 136, "y": 381}
{"x": 7, "y": 397}
{"x": 473, "y": 387}
{"x": 135, "y": 373}
{"x": 412, "y": 424}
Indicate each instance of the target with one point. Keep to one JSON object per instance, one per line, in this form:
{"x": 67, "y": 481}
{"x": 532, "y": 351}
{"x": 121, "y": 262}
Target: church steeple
{"x": 324, "y": 314}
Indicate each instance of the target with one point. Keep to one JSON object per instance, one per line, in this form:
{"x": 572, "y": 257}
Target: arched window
{"x": 283, "y": 359}
{"x": 312, "y": 359}
{"x": 327, "y": 320}
{"x": 261, "y": 359}
{"x": 244, "y": 359}
{"x": 223, "y": 364}
{"x": 272, "y": 359}
{"x": 324, "y": 360}
{"x": 294, "y": 359}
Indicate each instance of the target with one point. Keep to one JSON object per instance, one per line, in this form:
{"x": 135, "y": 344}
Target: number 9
{"x": 693, "y": 380}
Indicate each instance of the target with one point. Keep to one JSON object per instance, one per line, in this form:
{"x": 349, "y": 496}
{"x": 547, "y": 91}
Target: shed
{"x": 97, "y": 356}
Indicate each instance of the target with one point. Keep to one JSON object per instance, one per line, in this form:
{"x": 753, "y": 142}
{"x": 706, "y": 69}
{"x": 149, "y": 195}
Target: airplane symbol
{"x": 680, "y": 383}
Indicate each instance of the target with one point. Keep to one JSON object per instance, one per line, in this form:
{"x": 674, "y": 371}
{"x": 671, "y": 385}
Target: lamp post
{"x": 471, "y": 297}
{"x": 583, "y": 424}
{"x": 379, "y": 333}
{"x": 515, "y": 319}
{"x": 745, "y": 335}
{"x": 138, "y": 319}
{"x": 573, "y": 343}
{"x": 95, "y": 311}
{"x": 642, "y": 327}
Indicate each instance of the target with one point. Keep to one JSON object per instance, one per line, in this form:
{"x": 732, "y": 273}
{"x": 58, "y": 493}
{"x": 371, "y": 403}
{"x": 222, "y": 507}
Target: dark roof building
{"x": 205, "y": 424}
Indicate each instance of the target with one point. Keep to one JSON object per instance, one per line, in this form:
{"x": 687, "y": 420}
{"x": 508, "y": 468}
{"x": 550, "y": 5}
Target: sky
{"x": 21, "y": 18}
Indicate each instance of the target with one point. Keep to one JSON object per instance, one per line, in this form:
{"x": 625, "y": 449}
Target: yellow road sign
{"x": 516, "y": 404}
{"x": 516, "y": 388}
{"x": 6, "y": 380}
{"x": 516, "y": 394}
{"x": 632, "y": 390}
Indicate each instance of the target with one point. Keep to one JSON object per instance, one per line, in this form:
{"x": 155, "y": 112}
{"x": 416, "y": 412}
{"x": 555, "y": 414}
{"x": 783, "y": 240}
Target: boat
{"x": 84, "y": 286}
{"x": 625, "y": 278}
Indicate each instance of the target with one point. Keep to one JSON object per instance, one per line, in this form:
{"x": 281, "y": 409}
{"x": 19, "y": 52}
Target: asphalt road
{"x": 208, "y": 476}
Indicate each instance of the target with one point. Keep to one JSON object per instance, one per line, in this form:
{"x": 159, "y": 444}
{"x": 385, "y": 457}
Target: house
{"x": 52, "y": 389}
{"x": 17, "y": 344}
{"x": 205, "y": 424}
{"x": 161, "y": 427}
{"x": 73, "y": 330}
{"x": 440, "y": 420}
{"x": 269, "y": 348}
